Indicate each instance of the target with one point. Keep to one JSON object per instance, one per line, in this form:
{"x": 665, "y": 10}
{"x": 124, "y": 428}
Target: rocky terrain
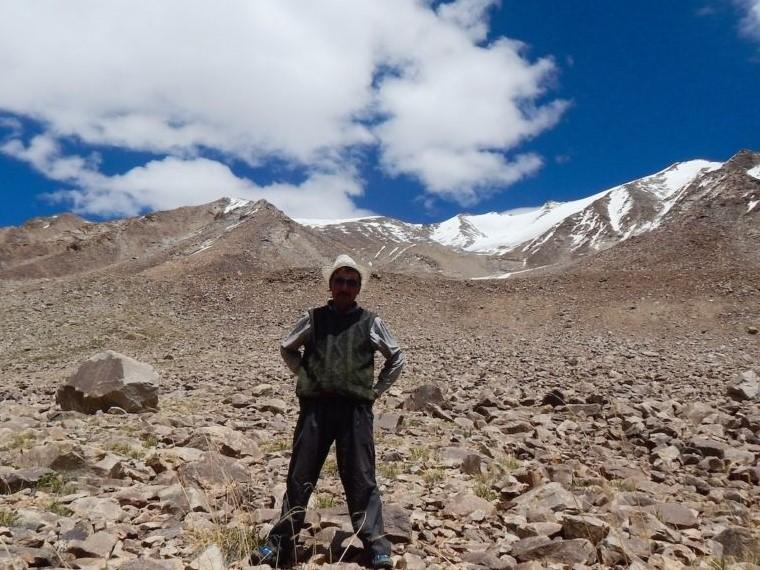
{"x": 572, "y": 420}
{"x": 603, "y": 414}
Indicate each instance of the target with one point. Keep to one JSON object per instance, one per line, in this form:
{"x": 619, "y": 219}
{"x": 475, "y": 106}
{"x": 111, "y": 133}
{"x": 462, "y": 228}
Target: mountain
{"x": 719, "y": 201}
{"x": 553, "y": 233}
{"x": 713, "y": 224}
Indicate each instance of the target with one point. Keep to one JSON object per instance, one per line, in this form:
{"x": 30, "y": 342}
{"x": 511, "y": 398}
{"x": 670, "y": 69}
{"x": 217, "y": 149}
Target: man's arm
{"x": 290, "y": 345}
{"x": 383, "y": 341}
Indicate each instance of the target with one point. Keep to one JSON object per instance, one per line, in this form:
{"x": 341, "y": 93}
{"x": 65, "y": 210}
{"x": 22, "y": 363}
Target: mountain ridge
{"x": 231, "y": 232}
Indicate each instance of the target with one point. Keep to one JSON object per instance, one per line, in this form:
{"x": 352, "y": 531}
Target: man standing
{"x": 336, "y": 390}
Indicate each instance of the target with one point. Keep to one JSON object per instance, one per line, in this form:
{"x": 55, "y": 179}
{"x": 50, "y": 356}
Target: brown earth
{"x": 641, "y": 357}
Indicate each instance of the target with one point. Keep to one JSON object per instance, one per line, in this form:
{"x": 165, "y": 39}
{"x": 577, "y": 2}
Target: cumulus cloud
{"x": 170, "y": 182}
{"x": 304, "y": 82}
{"x": 469, "y": 15}
{"x": 750, "y": 23}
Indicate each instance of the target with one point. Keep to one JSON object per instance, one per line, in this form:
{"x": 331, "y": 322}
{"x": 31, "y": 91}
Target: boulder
{"x": 737, "y": 542}
{"x": 98, "y": 545}
{"x": 584, "y": 526}
{"x": 397, "y": 523}
{"x": 550, "y": 497}
{"x": 225, "y": 440}
{"x": 676, "y": 514}
{"x": 213, "y": 470}
{"x": 110, "y": 466}
{"x": 422, "y": 396}
{"x": 13, "y": 480}
{"x": 465, "y": 505}
{"x": 709, "y": 447}
{"x": 108, "y": 380}
{"x": 25, "y": 557}
{"x": 389, "y": 422}
{"x": 487, "y": 559}
{"x": 554, "y": 398}
{"x": 94, "y": 508}
{"x": 210, "y": 559}
{"x": 745, "y": 386}
{"x": 569, "y": 552}
{"x": 62, "y": 456}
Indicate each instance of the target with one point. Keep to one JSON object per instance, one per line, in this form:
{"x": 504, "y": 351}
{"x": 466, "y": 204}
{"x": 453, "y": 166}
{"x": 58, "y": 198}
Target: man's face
{"x": 345, "y": 285}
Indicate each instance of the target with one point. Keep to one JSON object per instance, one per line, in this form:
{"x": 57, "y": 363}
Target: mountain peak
{"x": 745, "y": 159}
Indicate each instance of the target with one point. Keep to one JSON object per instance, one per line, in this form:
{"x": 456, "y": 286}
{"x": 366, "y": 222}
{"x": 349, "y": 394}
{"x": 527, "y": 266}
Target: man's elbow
{"x": 398, "y": 360}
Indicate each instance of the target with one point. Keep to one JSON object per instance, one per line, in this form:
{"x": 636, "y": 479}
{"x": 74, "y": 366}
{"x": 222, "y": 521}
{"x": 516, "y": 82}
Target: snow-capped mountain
{"x": 722, "y": 199}
{"x": 548, "y": 234}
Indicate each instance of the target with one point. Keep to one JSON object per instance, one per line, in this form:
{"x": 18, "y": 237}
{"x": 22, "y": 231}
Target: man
{"x": 336, "y": 390}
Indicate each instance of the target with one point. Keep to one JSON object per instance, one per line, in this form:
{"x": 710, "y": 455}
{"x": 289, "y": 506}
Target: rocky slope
{"x": 584, "y": 420}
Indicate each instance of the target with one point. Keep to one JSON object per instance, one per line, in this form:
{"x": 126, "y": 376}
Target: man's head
{"x": 345, "y": 284}
{"x": 345, "y": 279}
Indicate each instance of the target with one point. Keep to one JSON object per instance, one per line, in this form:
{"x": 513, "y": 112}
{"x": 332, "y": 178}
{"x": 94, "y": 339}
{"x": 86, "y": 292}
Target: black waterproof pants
{"x": 348, "y": 423}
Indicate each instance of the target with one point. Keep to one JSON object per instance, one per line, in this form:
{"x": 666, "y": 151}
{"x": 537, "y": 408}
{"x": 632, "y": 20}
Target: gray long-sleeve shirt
{"x": 380, "y": 337}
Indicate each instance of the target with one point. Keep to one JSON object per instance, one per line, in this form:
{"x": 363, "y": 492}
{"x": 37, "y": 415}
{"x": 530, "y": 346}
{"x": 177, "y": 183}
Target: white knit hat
{"x": 344, "y": 260}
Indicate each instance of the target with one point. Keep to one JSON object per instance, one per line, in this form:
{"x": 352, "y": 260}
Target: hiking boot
{"x": 268, "y": 554}
{"x": 382, "y": 561}
{"x": 264, "y": 554}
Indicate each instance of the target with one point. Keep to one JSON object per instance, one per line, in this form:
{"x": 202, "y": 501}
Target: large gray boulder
{"x": 108, "y": 380}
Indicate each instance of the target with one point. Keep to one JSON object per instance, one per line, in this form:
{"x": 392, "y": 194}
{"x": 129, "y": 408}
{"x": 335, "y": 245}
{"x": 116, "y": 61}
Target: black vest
{"x": 338, "y": 358}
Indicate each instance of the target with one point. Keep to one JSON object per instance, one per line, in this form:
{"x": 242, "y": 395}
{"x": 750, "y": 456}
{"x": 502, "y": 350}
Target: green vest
{"x": 338, "y": 358}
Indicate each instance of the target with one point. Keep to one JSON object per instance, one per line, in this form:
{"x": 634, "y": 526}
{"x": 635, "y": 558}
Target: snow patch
{"x": 619, "y": 205}
{"x": 322, "y": 222}
{"x": 401, "y": 252}
{"x": 234, "y": 204}
{"x": 204, "y": 246}
{"x": 752, "y": 205}
{"x": 534, "y": 245}
{"x": 398, "y": 230}
{"x": 245, "y": 218}
{"x": 669, "y": 181}
{"x": 754, "y": 172}
{"x": 507, "y": 275}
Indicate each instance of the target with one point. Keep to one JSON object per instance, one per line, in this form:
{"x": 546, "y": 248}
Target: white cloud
{"x": 290, "y": 79}
{"x": 168, "y": 183}
{"x": 469, "y": 15}
{"x": 750, "y": 24}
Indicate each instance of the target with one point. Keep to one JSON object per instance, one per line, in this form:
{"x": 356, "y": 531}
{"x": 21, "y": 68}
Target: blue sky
{"x": 337, "y": 109}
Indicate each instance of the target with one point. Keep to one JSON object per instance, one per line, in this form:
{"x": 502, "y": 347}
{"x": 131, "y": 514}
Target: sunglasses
{"x": 350, "y": 283}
